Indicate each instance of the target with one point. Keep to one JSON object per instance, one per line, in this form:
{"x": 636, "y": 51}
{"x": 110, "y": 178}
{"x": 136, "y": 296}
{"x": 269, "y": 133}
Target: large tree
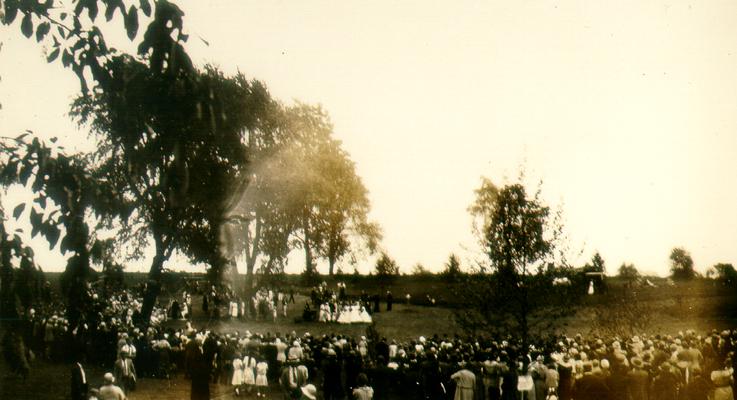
{"x": 304, "y": 194}
{"x": 171, "y": 138}
{"x": 515, "y": 292}
{"x": 66, "y": 193}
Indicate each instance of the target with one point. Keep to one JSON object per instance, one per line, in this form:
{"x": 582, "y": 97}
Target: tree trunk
{"x": 308, "y": 246}
{"x": 153, "y": 286}
{"x": 331, "y": 262}
{"x": 252, "y": 249}
{"x": 8, "y": 310}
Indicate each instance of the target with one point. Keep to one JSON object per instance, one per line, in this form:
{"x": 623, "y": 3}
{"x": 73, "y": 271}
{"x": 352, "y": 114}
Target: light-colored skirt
{"x": 248, "y": 377}
{"x": 238, "y": 377}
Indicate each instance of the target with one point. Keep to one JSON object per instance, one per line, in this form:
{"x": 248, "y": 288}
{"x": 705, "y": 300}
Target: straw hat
{"x": 310, "y": 391}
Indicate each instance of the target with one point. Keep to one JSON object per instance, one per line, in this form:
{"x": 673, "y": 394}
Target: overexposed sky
{"x": 626, "y": 110}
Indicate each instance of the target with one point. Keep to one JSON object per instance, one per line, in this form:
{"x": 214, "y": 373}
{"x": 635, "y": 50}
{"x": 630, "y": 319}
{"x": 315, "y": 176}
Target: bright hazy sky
{"x": 626, "y": 110}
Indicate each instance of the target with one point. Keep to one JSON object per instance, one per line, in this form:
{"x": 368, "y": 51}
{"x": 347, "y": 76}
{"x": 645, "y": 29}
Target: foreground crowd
{"x": 685, "y": 366}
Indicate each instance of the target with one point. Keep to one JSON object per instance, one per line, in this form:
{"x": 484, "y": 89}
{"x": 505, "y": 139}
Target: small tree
{"x": 726, "y": 273}
{"x": 517, "y": 294}
{"x": 452, "y": 268}
{"x": 628, "y": 272}
{"x": 386, "y": 269}
{"x": 597, "y": 265}
{"x": 681, "y": 264}
{"x": 419, "y": 270}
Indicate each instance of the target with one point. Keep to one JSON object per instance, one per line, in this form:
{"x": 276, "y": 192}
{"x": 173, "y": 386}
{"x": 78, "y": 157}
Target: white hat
{"x": 310, "y": 391}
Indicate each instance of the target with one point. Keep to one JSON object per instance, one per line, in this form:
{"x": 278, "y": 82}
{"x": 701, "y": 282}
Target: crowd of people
{"x": 684, "y": 366}
{"x": 337, "y": 306}
{"x": 264, "y": 304}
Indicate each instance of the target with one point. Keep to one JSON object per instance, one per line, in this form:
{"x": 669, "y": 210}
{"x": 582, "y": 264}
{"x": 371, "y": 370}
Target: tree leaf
{"x": 81, "y": 4}
{"x": 41, "y": 201}
{"x": 131, "y": 22}
{"x": 110, "y": 10}
{"x": 26, "y": 26}
{"x": 52, "y": 235}
{"x": 146, "y": 7}
{"x": 66, "y": 58}
{"x": 35, "y": 222}
{"x": 11, "y": 10}
{"x": 53, "y": 55}
{"x": 42, "y": 30}
{"x": 92, "y": 10}
{"x": 18, "y": 210}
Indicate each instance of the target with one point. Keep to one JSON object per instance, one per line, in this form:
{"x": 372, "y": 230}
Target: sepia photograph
{"x": 356, "y": 200}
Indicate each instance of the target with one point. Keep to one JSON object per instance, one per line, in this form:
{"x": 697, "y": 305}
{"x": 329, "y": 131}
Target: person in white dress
{"x": 345, "y": 316}
{"x": 281, "y": 351}
{"x": 249, "y": 377}
{"x": 261, "y": 382}
{"x": 365, "y": 317}
{"x": 324, "y": 313}
{"x": 237, "y": 379}
{"x": 233, "y": 309}
{"x": 355, "y": 314}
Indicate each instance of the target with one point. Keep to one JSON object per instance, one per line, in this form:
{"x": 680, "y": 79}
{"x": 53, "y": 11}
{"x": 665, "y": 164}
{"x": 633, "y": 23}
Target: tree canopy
{"x": 519, "y": 237}
{"x": 681, "y": 264}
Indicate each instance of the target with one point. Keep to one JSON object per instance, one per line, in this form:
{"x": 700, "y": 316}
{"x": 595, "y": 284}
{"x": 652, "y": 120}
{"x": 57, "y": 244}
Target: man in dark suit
{"x": 79, "y": 382}
{"x": 199, "y": 371}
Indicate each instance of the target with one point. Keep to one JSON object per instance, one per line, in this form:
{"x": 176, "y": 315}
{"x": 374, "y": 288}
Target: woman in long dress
{"x": 237, "y": 379}
{"x": 261, "y": 382}
{"x": 365, "y": 316}
{"x": 324, "y": 313}
{"x": 345, "y": 316}
{"x": 249, "y": 378}
{"x": 355, "y": 314}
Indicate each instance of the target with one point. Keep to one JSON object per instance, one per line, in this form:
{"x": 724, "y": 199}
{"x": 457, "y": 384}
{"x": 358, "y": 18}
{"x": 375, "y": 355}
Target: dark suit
{"x": 591, "y": 387}
{"x": 199, "y": 370}
{"x": 79, "y": 383}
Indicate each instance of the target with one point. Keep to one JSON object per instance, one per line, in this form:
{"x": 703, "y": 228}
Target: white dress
{"x": 237, "y": 372}
{"x": 365, "y": 316}
{"x": 249, "y": 363}
{"x": 324, "y": 313}
{"x": 355, "y": 314}
{"x": 261, "y": 369}
{"x": 345, "y": 316}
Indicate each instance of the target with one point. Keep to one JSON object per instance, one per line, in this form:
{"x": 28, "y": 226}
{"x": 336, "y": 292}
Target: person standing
{"x": 389, "y": 300}
{"x": 363, "y": 391}
{"x": 79, "y": 382}
{"x": 199, "y": 371}
{"x": 465, "y": 382}
{"x": 109, "y": 391}
{"x": 262, "y": 383}
{"x": 638, "y": 380}
{"x": 125, "y": 372}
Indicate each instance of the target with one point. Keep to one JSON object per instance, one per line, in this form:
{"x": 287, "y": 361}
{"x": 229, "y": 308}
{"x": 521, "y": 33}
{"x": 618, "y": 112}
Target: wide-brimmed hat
{"x": 636, "y": 362}
{"x": 310, "y": 391}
